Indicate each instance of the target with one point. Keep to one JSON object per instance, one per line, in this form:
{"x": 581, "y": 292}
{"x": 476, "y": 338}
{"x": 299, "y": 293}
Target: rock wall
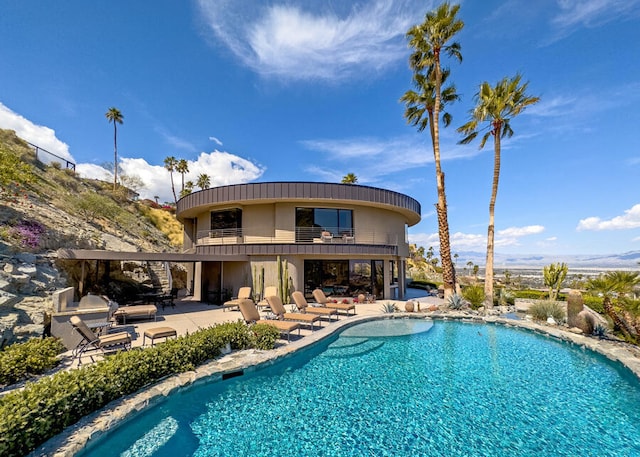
{"x": 27, "y": 282}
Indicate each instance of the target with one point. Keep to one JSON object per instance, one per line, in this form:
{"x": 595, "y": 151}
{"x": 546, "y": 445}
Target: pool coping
{"x": 76, "y": 437}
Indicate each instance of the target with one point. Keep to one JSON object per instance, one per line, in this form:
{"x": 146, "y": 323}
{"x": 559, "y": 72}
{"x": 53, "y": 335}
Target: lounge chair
{"x": 322, "y": 299}
{"x": 326, "y": 237}
{"x": 279, "y": 310}
{"x": 251, "y": 315}
{"x": 90, "y": 342}
{"x": 303, "y": 306}
{"x": 136, "y": 312}
{"x": 268, "y": 291}
{"x": 243, "y": 294}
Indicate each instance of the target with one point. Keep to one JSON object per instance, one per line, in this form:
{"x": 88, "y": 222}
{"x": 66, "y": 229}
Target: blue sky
{"x": 309, "y": 91}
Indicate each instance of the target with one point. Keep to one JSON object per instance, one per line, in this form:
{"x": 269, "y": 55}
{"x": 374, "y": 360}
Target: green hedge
{"x": 21, "y": 361}
{"x": 531, "y": 294}
{"x": 41, "y": 410}
{"x": 594, "y": 302}
{"x": 420, "y": 284}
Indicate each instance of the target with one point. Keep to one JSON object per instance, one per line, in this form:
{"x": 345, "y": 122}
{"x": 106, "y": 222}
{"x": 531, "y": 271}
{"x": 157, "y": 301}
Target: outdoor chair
{"x": 326, "y": 237}
{"x": 322, "y": 299}
{"x": 243, "y": 294}
{"x": 90, "y": 342}
{"x": 279, "y": 310}
{"x": 303, "y": 306}
{"x": 268, "y": 291}
{"x": 251, "y": 316}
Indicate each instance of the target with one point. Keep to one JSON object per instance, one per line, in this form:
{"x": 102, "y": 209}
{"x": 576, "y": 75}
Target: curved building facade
{"x": 346, "y": 239}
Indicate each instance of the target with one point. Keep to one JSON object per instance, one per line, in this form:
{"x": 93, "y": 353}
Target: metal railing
{"x": 39, "y": 150}
{"x": 300, "y": 235}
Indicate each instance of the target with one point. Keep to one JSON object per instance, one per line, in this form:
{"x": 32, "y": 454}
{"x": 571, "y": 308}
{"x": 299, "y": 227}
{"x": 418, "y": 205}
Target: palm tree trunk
{"x": 488, "y": 275}
{"x": 115, "y": 155}
{"x": 173, "y": 189}
{"x": 618, "y": 322}
{"x": 448, "y": 272}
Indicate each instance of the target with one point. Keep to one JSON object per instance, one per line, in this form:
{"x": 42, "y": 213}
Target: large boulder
{"x": 585, "y": 322}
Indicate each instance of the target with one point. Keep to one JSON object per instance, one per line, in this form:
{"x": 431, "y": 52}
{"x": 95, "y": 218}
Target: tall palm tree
{"x": 349, "y": 178}
{"x": 203, "y": 182}
{"x": 495, "y": 106}
{"x": 114, "y": 115}
{"x": 170, "y": 164}
{"x": 182, "y": 167}
{"x": 429, "y": 40}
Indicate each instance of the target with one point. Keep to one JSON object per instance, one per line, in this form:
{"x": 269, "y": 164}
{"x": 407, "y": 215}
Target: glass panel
{"x": 360, "y": 277}
{"x": 326, "y": 218}
{"x": 312, "y": 276}
{"x": 226, "y": 221}
{"x": 304, "y": 225}
{"x": 345, "y": 220}
{"x": 378, "y": 278}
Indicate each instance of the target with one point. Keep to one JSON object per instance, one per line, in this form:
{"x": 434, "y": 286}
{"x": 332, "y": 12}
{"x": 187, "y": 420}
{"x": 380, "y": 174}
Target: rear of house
{"x": 345, "y": 239}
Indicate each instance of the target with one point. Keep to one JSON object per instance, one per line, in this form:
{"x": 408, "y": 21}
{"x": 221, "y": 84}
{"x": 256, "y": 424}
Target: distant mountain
{"x": 627, "y": 260}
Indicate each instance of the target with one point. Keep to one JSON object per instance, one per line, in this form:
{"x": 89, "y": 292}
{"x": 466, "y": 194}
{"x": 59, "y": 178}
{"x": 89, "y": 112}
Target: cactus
{"x": 283, "y": 280}
{"x": 575, "y": 304}
{"x": 554, "y": 274}
{"x": 258, "y": 283}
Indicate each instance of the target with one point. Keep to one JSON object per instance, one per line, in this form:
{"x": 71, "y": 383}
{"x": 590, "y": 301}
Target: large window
{"x": 311, "y": 222}
{"x": 344, "y": 277}
{"x": 227, "y": 222}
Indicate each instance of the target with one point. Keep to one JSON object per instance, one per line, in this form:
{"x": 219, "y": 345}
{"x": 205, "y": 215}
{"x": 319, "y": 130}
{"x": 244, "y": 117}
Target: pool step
{"x": 352, "y": 350}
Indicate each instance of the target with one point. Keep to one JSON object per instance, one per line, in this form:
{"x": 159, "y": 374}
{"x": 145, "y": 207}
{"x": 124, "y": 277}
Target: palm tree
{"x": 349, "y": 178}
{"x": 114, "y": 115}
{"x": 188, "y": 188}
{"x": 616, "y": 284}
{"x": 170, "y": 164}
{"x": 429, "y": 40}
{"x": 203, "y": 182}
{"x": 182, "y": 167}
{"x": 496, "y": 106}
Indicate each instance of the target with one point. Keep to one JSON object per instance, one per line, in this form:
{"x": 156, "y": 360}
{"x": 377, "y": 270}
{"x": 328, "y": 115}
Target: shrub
{"x": 20, "y": 361}
{"x": 426, "y": 285}
{"x": 542, "y": 310}
{"x": 30, "y": 416}
{"x": 389, "y": 307}
{"x": 594, "y": 302}
{"x": 265, "y": 336}
{"x": 456, "y": 301}
{"x": 531, "y": 294}
{"x": 474, "y": 294}
{"x": 91, "y": 206}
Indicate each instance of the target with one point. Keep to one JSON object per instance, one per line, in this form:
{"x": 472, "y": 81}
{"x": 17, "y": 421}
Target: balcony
{"x": 300, "y": 235}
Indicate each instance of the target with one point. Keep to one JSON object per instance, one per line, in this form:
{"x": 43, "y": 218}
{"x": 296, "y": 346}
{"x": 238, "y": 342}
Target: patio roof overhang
{"x": 96, "y": 254}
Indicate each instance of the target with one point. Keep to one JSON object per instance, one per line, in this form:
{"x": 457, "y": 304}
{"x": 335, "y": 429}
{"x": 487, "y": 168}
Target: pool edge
{"x": 76, "y": 437}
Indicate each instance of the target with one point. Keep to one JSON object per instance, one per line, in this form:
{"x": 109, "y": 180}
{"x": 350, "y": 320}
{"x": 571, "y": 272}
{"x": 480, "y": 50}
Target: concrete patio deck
{"x": 189, "y": 316}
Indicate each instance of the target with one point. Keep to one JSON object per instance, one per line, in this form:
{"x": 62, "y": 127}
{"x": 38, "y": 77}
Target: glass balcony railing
{"x": 300, "y": 235}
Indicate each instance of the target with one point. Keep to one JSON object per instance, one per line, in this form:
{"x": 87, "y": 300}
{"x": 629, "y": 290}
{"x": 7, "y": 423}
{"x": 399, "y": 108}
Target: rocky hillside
{"x": 44, "y": 208}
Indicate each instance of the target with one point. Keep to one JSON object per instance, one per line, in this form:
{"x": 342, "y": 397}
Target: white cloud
{"x": 175, "y": 141}
{"x": 629, "y": 220}
{"x": 636, "y": 239}
{"x": 313, "y": 40}
{"x": 517, "y": 232}
{"x": 592, "y": 13}
{"x": 381, "y": 156}
{"x": 473, "y": 241}
{"x": 215, "y": 140}
{"x": 551, "y": 238}
{"x": 41, "y": 136}
{"x": 223, "y": 168}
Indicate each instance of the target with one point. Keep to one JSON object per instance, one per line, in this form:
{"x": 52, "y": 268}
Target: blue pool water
{"x": 442, "y": 389}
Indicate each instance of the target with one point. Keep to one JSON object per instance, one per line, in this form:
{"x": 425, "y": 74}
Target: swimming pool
{"x": 443, "y": 388}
